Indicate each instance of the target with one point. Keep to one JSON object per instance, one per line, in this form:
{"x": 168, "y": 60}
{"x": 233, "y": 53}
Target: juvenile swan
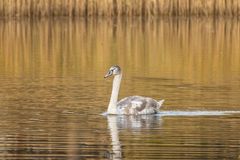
{"x": 132, "y": 104}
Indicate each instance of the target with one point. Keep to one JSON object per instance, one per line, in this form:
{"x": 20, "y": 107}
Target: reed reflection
{"x": 195, "y": 50}
{"x": 51, "y": 83}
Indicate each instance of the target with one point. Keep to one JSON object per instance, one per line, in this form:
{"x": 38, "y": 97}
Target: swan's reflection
{"x": 135, "y": 123}
{"x": 116, "y": 146}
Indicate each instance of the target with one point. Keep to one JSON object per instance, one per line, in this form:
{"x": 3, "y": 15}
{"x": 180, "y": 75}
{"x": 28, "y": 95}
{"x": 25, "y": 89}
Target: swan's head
{"x": 114, "y": 70}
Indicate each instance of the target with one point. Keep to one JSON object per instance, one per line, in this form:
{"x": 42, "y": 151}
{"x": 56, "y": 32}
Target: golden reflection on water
{"x": 52, "y": 88}
{"x": 201, "y": 56}
{"x": 195, "y": 50}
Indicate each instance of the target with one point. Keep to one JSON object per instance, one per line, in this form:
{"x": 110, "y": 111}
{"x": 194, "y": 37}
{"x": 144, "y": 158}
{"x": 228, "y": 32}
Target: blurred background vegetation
{"x": 115, "y": 8}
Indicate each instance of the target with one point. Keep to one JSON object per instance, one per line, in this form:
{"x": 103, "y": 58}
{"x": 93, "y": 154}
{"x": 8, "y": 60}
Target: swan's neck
{"x": 112, "y": 107}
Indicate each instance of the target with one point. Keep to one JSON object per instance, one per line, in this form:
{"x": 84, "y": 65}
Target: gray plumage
{"x": 138, "y": 105}
{"x": 130, "y": 105}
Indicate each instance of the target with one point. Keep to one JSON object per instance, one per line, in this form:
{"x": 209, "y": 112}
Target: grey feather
{"x": 138, "y": 105}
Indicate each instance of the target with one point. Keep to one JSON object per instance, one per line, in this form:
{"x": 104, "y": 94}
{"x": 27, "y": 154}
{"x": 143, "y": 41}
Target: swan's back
{"x": 138, "y": 105}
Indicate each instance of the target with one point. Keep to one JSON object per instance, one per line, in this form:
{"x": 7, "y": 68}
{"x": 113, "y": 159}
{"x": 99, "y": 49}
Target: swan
{"x": 133, "y": 105}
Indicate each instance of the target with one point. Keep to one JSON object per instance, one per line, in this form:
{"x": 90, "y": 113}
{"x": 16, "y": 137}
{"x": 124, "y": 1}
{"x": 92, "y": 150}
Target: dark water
{"x": 52, "y": 91}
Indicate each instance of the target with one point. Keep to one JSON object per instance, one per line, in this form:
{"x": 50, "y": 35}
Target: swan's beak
{"x": 108, "y": 74}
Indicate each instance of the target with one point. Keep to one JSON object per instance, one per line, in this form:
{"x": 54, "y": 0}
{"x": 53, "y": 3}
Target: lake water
{"x": 53, "y": 94}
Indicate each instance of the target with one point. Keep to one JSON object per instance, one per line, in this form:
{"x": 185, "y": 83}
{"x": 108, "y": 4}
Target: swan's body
{"x": 138, "y": 105}
{"x": 129, "y": 105}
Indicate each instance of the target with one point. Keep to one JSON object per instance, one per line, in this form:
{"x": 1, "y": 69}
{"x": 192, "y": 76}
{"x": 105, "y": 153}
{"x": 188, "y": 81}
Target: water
{"x": 52, "y": 91}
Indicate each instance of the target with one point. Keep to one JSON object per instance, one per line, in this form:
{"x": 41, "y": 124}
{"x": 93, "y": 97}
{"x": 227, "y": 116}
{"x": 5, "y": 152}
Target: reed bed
{"x": 116, "y": 8}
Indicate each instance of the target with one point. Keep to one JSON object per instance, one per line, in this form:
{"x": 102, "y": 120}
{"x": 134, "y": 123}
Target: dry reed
{"x": 115, "y": 8}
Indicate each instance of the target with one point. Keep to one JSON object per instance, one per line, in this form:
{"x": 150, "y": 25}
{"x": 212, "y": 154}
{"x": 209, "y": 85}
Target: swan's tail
{"x": 161, "y": 102}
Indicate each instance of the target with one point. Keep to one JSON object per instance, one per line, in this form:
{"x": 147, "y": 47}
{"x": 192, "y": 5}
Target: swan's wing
{"x": 137, "y": 105}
